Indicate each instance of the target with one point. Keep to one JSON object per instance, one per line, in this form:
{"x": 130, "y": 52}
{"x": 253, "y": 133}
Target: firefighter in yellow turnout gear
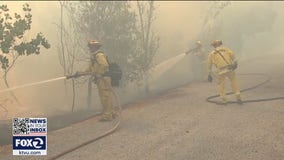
{"x": 98, "y": 67}
{"x": 224, "y": 60}
{"x": 202, "y": 56}
{"x": 199, "y": 52}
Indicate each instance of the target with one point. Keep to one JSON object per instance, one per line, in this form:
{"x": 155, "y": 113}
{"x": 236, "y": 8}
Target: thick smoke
{"x": 249, "y": 28}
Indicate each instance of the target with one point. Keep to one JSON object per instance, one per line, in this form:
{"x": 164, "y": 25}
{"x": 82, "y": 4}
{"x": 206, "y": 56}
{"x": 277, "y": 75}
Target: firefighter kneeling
{"x": 224, "y": 60}
{"x": 98, "y": 68}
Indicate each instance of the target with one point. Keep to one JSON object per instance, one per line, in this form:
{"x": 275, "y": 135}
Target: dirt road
{"x": 177, "y": 126}
{"x": 181, "y": 125}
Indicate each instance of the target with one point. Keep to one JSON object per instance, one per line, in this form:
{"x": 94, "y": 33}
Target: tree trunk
{"x": 147, "y": 83}
{"x": 11, "y": 92}
{"x": 62, "y": 46}
{"x": 74, "y": 95}
{"x": 89, "y": 100}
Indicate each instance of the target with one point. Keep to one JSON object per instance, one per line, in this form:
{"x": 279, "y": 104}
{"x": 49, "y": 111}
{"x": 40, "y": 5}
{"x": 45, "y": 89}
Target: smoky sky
{"x": 248, "y": 28}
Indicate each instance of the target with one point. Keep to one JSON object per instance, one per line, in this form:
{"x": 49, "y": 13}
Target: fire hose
{"x": 267, "y": 79}
{"x": 108, "y": 132}
{"x": 209, "y": 99}
{"x": 113, "y": 129}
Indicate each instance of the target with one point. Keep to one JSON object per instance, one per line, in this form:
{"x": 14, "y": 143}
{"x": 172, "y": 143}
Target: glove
{"x": 235, "y": 65}
{"x": 73, "y": 76}
{"x": 210, "y": 79}
{"x": 69, "y": 76}
{"x": 76, "y": 74}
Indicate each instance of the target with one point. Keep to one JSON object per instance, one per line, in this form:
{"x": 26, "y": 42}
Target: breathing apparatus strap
{"x": 222, "y": 56}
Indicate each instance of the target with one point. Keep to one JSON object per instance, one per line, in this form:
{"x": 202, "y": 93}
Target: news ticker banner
{"x": 29, "y": 136}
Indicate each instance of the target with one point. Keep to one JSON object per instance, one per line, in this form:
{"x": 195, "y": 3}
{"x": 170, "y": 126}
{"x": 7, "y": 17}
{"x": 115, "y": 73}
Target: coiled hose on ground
{"x": 267, "y": 79}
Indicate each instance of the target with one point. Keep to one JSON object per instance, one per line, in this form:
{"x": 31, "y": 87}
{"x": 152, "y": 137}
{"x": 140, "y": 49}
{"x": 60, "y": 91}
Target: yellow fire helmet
{"x": 216, "y": 43}
{"x": 198, "y": 43}
{"x": 94, "y": 43}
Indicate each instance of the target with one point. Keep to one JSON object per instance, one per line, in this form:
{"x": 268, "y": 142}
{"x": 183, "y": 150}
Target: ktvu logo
{"x": 29, "y": 142}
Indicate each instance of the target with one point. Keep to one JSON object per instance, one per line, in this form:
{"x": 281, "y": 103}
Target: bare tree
{"x": 69, "y": 50}
{"x": 211, "y": 25}
{"x": 149, "y": 41}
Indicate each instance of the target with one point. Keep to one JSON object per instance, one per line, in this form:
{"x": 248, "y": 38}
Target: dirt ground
{"x": 181, "y": 125}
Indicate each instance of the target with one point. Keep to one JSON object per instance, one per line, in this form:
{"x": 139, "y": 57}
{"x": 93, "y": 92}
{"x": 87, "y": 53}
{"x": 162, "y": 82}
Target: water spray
{"x": 33, "y": 84}
{"x": 164, "y": 66}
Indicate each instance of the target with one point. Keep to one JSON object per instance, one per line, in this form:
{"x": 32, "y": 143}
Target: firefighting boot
{"x": 106, "y": 117}
{"x": 223, "y": 101}
{"x": 239, "y": 100}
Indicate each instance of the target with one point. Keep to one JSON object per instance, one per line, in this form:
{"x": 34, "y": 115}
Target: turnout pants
{"x": 104, "y": 89}
{"x": 234, "y": 84}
